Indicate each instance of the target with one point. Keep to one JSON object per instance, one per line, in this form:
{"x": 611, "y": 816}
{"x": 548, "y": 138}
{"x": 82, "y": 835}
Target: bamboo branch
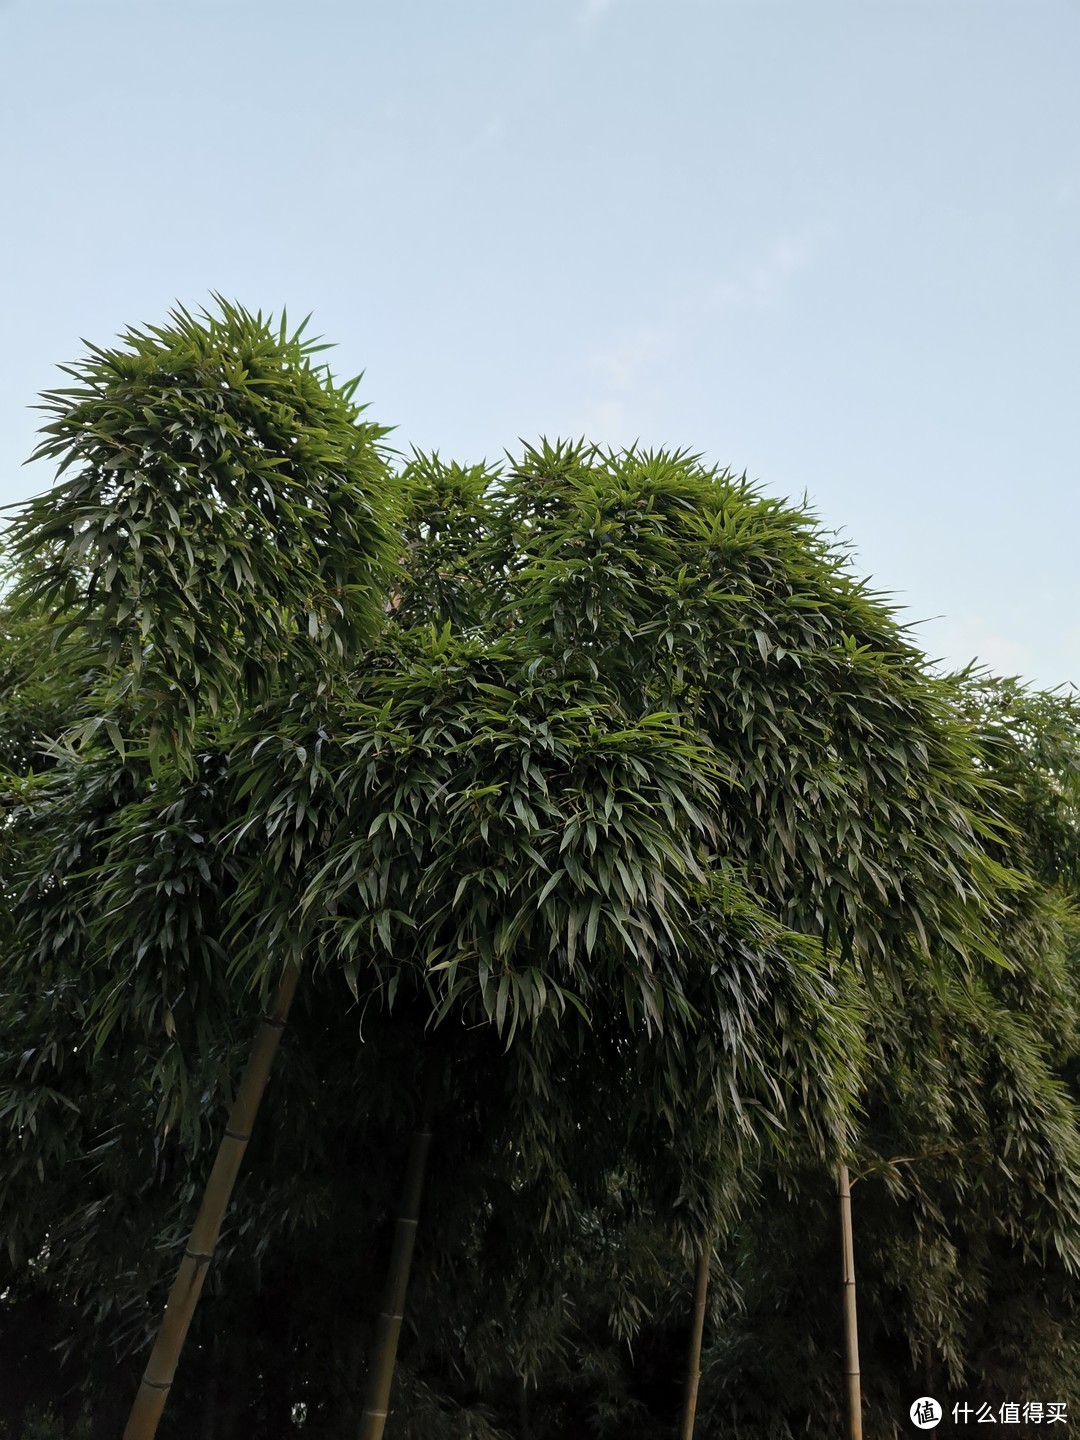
{"x": 388, "y": 1327}
{"x": 697, "y": 1331}
{"x": 184, "y": 1295}
{"x": 851, "y": 1329}
{"x": 971, "y": 1149}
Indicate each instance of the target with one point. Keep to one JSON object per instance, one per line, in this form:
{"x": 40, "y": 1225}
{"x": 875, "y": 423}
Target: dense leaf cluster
{"x": 600, "y": 778}
{"x": 220, "y": 513}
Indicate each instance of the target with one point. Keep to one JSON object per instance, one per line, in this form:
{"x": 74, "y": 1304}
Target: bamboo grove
{"x": 610, "y": 871}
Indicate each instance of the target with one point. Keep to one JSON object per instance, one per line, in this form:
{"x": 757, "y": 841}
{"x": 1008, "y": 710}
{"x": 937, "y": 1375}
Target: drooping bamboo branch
{"x": 851, "y": 1329}
{"x": 184, "y": 1295}
{"x": 697, "y": 1331}
{"x": 388, "y": 1328}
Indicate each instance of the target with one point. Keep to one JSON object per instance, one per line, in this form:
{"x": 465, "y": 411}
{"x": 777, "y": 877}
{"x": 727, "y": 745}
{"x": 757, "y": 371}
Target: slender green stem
{"x": 851, "y": 1327}
{"x": 184, "y": 1296}
{"x": 388, "y": 1327}
{"x": 697, "y": 1331}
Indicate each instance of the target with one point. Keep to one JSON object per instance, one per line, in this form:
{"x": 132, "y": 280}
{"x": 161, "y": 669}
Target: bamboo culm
{"x": 388, "y": 1327}
{"x": 697, "y": 1331}
{"x": 853, "y": 1379}
{"x": 184, "y": 1296}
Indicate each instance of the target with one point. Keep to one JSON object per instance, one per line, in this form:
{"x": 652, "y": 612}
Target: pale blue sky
{"x": 834, "y": 244}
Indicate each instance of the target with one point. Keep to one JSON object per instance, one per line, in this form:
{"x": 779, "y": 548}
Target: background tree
{"x": 967, "y": 1201}
{"x": 224, "y": 515}
{"x": 670, "y": 816}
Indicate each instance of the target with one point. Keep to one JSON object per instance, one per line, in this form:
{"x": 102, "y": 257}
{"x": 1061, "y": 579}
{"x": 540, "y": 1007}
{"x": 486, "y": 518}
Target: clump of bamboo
{"x": 184, "y": 1296}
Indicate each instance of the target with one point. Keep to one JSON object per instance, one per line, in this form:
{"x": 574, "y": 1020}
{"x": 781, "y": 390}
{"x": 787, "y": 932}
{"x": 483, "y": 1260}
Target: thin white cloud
{"x": 609, "y": 422}
{"x": 621, "y": 366}
{"x": 635, "y": 357}
{"x": 489, "y": 135}
{"x": 592, "y": 10}
{"x": 767, "y": 280}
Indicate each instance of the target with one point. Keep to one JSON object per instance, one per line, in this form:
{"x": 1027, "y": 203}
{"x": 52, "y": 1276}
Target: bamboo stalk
{"x": 697, "y": 1331}
{"x": 851, "y": 1328}
{"x": 388, "y": 1327}
{"x": 184, "y": 1295}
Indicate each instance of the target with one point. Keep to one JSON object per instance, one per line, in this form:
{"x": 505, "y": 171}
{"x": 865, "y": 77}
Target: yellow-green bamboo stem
{"x": 851, "y": 1327}
{"x": 697, "y": 1331}
{"x": 184, "y": 1295}
{"x": 388, "y": 1326}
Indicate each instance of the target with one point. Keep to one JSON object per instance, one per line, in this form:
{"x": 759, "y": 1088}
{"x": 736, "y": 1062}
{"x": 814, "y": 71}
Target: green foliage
{"x": 604, "y": 776}
{"x": 1032, "y": 743}
{"x": 45, "y": 1424}
{"x": 447, "y": 511}
{"x": 859, "y": 809}
{"x": 42, "y": 690}
{"x": 504, "y": 829}
{"x": 967, "y": 1208}
{"x": 220, "y": 516}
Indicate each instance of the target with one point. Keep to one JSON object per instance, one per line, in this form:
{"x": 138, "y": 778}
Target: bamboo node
{"x": 238, "y": 1135}
{"x": 157, "y": 1384}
